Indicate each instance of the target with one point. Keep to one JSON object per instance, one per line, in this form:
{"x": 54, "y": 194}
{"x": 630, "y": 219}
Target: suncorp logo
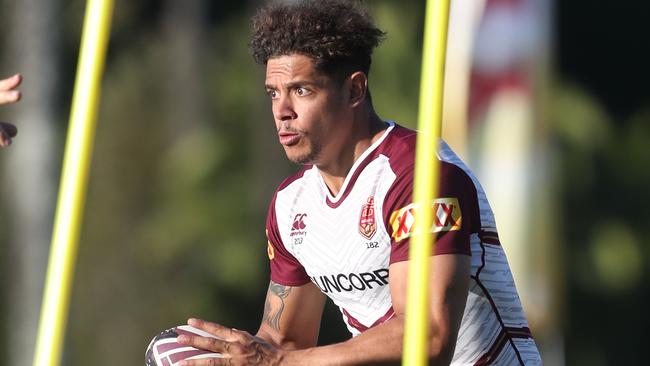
{"x": 347, "y": 282}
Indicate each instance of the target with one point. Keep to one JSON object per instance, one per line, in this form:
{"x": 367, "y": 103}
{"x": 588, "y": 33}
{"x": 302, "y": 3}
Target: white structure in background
{"x": 506, "y": 148}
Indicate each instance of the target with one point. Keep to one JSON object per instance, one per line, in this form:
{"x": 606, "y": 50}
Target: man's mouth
{"x": 288, "y": 138}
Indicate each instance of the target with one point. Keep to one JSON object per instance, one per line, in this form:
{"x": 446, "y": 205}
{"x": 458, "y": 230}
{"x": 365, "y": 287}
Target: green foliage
{"x": 603, "y": 165}
{"x": 395, "y": 72}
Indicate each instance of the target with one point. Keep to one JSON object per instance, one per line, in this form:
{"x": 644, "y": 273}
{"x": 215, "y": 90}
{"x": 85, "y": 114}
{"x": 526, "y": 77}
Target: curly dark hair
{"x": 338, "y": 35}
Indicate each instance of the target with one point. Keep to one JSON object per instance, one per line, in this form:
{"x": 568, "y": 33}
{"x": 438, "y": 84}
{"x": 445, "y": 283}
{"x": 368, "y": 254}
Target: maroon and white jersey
{"x": 344, "y": 244}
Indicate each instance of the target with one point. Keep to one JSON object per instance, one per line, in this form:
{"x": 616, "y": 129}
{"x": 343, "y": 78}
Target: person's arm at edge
{"x": 9, "y": 95}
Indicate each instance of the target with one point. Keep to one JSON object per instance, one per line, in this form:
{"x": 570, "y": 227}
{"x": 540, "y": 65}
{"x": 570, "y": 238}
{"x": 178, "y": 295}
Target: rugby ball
{"x": 164, "y": 349}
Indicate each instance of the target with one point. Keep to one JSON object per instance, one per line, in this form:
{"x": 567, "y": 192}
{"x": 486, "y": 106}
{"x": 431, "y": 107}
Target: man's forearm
{"x": 381, "y": 345}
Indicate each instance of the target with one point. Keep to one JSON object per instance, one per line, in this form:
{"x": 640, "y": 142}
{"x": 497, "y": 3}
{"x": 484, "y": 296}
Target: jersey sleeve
{"x": 285, "y": 268}
{"x": 455, "y": 213}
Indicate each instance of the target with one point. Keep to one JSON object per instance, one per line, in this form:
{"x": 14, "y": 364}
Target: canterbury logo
{"x": 298, "y": 222}
{"x": 446, "y": 217}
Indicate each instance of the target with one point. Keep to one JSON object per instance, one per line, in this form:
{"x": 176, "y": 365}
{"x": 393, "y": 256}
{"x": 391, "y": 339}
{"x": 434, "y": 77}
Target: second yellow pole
{"x": 425, "y": 181}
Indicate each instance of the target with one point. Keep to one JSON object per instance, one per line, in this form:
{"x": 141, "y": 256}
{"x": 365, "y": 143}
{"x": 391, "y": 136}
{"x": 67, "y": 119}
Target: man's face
{"x": 309, "y": 109}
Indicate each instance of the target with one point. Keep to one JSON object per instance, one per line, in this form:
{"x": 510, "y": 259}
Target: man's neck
{"x": 363, "y": 135}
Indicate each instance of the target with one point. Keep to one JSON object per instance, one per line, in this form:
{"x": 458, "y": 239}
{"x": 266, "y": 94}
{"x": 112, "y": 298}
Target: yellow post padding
{"x": 74, "y": 179}
{"x": 426, "y": 181}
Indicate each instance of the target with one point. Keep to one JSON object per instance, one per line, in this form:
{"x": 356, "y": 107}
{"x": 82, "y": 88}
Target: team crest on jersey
{"x": 367, "y": 223}
{"x": 446, "y": 217}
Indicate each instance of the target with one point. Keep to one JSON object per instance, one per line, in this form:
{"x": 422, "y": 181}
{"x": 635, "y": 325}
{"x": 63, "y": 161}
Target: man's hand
{"x": 237, "y": 347}
{"x": 8, "y": 95}
{"x": 7, "y": 86}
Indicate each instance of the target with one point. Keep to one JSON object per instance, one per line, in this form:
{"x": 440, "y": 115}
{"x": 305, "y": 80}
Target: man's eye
{"x": 272, "y": 93}
{"x": 302, "y": 91}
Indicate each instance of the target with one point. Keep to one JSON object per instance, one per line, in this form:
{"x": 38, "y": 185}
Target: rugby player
{"x": 8, "y": 94}
{"x": 340, "y": 227}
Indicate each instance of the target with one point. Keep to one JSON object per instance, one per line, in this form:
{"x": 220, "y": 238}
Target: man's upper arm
{"x": 292, "y": 315}
{"x": 448, "y": 285}
{"x": 294, "y": 305}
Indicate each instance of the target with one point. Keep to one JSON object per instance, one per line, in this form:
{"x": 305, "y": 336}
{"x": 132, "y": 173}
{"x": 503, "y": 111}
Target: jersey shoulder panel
{"x": 399, "y": 148}
{"x": 455, "y": 205}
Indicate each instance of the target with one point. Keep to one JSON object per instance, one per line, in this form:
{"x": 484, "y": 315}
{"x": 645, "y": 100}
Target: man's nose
{"x": 283, "y": 109}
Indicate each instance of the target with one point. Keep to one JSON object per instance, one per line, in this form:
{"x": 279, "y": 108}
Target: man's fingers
{"x": 9, "y": 96}
{"x": 240, "y": 335}
{"x": 206, "y": 343}
{"x": 10, "y": 82}
{"x": 212, "y": 328}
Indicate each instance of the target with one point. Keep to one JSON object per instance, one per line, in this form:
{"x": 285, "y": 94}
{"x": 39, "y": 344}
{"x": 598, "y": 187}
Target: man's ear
{"x": 358, "y": 88}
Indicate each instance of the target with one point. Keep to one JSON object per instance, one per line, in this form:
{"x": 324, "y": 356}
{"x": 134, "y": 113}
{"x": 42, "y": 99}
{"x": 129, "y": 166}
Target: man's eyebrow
{"x": 294, "y": 84}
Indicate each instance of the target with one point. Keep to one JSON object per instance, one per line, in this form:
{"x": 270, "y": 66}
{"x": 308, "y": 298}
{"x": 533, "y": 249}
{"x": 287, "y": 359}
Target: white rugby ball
{"x": 164, "y": 349}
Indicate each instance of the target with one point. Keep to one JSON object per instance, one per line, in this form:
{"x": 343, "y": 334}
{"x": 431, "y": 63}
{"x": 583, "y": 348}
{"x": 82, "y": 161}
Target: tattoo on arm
{"x": 272, "y": 316}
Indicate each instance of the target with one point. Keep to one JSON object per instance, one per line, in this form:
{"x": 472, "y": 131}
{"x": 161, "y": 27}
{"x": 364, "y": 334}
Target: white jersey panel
{"x": 348, "y": 267}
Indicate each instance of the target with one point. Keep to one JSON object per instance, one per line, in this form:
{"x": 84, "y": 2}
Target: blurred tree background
{"x": 186, "y": 161}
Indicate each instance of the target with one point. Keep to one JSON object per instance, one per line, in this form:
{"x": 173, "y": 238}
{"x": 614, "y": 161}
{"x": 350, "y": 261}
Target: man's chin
{"x": 303, "y": 154}
{"x": 300, "y": 159}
